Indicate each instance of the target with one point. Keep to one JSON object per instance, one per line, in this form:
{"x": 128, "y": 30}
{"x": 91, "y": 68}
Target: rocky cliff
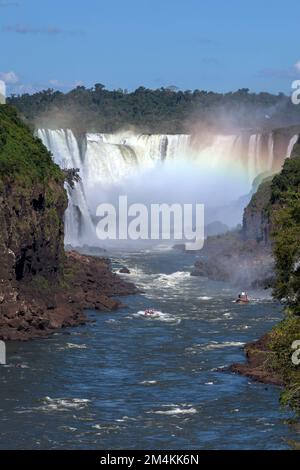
{"x": 41, "y": 288}
{"x": 242, "y": 256}
{"x": 32, "y": 203}
{"x": 256, "y": 223}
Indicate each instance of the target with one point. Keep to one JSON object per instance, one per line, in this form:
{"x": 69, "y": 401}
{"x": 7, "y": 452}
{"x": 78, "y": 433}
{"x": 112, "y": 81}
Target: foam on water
{"x": 157, "y": 315}
{"x": 63, "y": 404}
{"x": 175, "y": 410}
{"x": 141, "y": 377}
{"x": 225, "y": 344}
{"x": 73, "y": 346}
{"x": 148, "y": 382}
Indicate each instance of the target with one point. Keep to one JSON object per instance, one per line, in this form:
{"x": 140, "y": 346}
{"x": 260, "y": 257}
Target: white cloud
{"x": 56, "y": 83}
{"x": 2, "y": 88}
{"x": 10, "y": 78}
{"x": 297, "y": 65}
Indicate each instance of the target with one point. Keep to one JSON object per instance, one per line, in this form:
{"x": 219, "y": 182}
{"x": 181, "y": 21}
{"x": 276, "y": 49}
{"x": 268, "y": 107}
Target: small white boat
{"x": 150, "y": 312}
{"x": 243, "y": 298}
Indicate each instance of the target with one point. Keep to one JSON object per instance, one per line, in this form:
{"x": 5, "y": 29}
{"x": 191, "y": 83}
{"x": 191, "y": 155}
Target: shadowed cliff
{"x": 41, "y": 287}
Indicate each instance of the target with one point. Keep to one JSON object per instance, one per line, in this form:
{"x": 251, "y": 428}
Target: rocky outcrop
{"x": 243, "y": 256}
{"x": 258, "y": 366}
{"x": 124, "y": 270}
{"x": 256, "y": 224}
{"x": 36, "y": 308}
{"x": 41, "y": 287}
{"x": 271, "y": 360}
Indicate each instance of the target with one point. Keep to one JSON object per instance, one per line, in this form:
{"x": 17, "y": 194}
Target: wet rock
{"x": 124, "y": 270}
{"x": 36, "y": 312}
{"x": 256, "y": 366}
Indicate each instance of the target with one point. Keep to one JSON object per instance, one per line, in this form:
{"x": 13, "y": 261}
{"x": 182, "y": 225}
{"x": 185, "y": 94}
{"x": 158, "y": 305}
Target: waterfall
{"x": 105, "y": 160}
{"x": 270, "y": 152}
{"x": 253, "y": 156}
{"x": 291, "y": 145}
{"x": 65, "y": 150}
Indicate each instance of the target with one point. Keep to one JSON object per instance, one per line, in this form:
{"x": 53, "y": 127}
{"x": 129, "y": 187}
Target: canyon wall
{"x": 42, "y": 288}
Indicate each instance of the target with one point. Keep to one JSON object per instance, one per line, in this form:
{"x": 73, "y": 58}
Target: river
{"x": 126, "y": 381}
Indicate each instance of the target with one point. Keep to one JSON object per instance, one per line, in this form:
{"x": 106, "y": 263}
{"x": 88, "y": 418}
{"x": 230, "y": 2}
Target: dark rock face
{"x": 32, "y": 203}
{"x": 256, "y": 225}
{"x": 257, "y": 354}
{"x": 34, "y": 233}
{"x": 124, "y": 271}
{"x": 41, "y": 287}
{"x": 33, "y": 309}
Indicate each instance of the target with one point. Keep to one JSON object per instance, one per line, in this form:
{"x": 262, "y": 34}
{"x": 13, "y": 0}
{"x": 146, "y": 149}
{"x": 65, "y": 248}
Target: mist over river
{"x": 126, "y": 381}
{"x": 215, "y": 170}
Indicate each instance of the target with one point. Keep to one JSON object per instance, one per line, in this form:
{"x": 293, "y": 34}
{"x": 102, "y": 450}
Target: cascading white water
{"x": 105, "y": 160}
{"x": 291, "y": 145}
{"x": 257, "y": 165}
{"x": 65, "y": 151}
{"x": 109, "y": 158}
{"x": 270, "y": 151}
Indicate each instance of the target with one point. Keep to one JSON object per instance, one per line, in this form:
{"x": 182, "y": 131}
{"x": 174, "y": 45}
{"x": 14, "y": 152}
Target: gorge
{"x": 107, "y": 368}
{"x": 149, "y": 231}
{"x": 150, "y": 167}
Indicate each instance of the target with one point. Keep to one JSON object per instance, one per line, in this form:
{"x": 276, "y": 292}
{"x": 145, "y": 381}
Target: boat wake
{"x": 157, "y": 315}
{"x": 215, "y": 345}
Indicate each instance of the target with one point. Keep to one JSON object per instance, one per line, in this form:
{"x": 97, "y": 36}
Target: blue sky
{"x": 213, "y": 45}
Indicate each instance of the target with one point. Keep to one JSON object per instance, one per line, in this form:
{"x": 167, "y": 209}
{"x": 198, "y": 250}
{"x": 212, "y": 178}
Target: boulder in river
{"x": 124, "y": 270}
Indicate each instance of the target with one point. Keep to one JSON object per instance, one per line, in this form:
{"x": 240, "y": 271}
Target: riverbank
{"x": 42, "y": 288}
{"x": 269, "y": 360}
{"x": 257, "y": 353}
{"x": 38, "y": 308}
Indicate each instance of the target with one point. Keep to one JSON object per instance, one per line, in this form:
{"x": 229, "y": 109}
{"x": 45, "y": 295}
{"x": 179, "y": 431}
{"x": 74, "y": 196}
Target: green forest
{"x": 165, "y": 110}
{"x": 284, "y": 213}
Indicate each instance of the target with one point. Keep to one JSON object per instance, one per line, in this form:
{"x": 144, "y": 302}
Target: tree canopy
{"x": 164, "y": 110}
